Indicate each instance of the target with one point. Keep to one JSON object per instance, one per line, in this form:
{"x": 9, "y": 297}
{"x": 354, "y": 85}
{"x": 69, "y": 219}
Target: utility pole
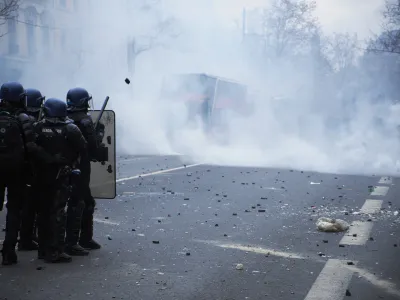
{"x": 244, "y": 21}
{"x": 316, "y": 58}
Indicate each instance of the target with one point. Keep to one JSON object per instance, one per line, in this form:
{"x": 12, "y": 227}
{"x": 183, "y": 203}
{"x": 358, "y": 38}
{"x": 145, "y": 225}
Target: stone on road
{"x": 213, "y": 232}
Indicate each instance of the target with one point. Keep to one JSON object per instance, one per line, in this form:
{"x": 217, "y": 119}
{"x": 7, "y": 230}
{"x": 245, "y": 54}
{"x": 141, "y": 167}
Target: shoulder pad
{"x": 87, "y": 122}
{"x": 22, "y": 117}
{"x": 71, "y": 127}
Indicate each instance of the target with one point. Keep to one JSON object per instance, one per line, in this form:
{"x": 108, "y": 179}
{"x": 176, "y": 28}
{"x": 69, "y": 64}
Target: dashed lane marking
{"x": 157, "y": 172}
{"x": 332, "y": 282}
{"x": 107, "y": 222}
{"x": 371, "y": 206}
{"x": 254, "y": 249}
{"x": 380, "y": 191}
{"x": 358, "y": 233}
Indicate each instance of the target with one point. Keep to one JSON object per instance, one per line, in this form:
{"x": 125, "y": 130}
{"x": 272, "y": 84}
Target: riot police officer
{"x": 17, "y": 143}
{"x": 61, "y": 138}
{"x": 28, "y": 237}
{"x": 78, "y": 106}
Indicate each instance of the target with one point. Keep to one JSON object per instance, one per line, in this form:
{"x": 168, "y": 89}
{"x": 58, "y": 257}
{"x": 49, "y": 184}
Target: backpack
{"x": 12, "y": 145}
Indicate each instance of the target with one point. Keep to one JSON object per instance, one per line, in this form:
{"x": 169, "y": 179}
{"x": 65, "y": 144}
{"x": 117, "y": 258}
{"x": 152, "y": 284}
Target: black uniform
{"x": 17, "y": 142}
{"x": 28, "y": 235}
{"x": 60, "y": 138}
{"x": 78, "y": 105}
{"x": 85, "y": 124}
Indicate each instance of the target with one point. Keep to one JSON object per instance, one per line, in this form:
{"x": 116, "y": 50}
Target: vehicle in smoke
{"x": 211, "y": 99}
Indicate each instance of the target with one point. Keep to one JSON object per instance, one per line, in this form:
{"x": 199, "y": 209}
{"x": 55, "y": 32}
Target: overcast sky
{"x": 361, "y": 16}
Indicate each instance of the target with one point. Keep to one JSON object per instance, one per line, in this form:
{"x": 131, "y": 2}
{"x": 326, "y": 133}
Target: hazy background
{"x": 338, "y": 112}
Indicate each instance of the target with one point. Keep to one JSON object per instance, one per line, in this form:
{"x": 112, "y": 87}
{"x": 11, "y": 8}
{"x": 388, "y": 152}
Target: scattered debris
{"x": 332, "y": 225}
{"x": 348, "y": 294}
{"x": 239, "y": 267}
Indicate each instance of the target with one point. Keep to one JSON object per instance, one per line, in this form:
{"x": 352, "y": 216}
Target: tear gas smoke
{"x": 327, "y": 126}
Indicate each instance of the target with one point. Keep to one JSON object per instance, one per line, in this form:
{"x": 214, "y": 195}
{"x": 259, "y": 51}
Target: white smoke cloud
{"x": 291, "y": 134}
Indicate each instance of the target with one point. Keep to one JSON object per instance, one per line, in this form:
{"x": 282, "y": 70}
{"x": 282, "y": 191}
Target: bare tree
{"x": 164, "y": 31}
{"x": 389, "y": 40}
{"x": 8, "y": 10}
{"x": 342, "y": 50}
{"x": 289, "y": 25}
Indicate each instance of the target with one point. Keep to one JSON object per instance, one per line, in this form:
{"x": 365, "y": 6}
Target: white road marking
{"x": 157, "y": 172}
{"x": 154, "y": 194}
{"x": 133, "y": 159}
{"x": 254, "y": 249}
{"x": 358, "y": 233}
{"x": 334, "y": 271}
{"x": 386, "y": 180}
{"x": 332, "y": 282}
{"x": 106, "y": 222}
{"x": 380, "y": 191}
{"x": 371, "y": 206}
{"x": 385, "y": 285}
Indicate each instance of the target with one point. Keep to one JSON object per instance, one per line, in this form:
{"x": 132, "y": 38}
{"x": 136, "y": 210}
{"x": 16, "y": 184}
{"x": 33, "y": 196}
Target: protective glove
{"x": 59, "y": 159}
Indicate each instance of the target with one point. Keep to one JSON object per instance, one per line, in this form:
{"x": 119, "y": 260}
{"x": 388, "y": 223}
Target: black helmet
{"x": 34, "y": 100}
{"x": 14, "y": 94}
{"x": 78, "y": 99}
{"x": 55, "y": 108}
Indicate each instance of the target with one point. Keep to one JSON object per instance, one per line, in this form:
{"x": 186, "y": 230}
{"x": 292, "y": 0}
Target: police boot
{"x": 74, "y": 218}
{"x": 55, "y": 253}
{"x": 86, "y": 239}
{"x": 9, "y": 256}
{"x": 76, "y": 250}
{"x": 56, "y": 256}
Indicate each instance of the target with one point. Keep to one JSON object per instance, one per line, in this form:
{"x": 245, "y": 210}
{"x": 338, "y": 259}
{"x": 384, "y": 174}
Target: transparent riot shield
{"x": 103, "y": 176}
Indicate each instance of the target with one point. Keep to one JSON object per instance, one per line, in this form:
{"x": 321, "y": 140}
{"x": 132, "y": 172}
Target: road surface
{"x": 209, "y": 232}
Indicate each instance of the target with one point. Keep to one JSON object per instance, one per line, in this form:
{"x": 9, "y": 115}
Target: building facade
{"x": 40, "y": 30}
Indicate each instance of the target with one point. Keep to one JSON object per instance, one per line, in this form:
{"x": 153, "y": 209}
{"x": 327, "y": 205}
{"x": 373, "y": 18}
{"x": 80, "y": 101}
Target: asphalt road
{"x": 182, "y": 235}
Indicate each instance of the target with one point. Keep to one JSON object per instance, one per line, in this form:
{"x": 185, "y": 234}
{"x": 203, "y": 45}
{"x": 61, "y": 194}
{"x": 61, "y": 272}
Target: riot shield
{"x": 103, "y": 176}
